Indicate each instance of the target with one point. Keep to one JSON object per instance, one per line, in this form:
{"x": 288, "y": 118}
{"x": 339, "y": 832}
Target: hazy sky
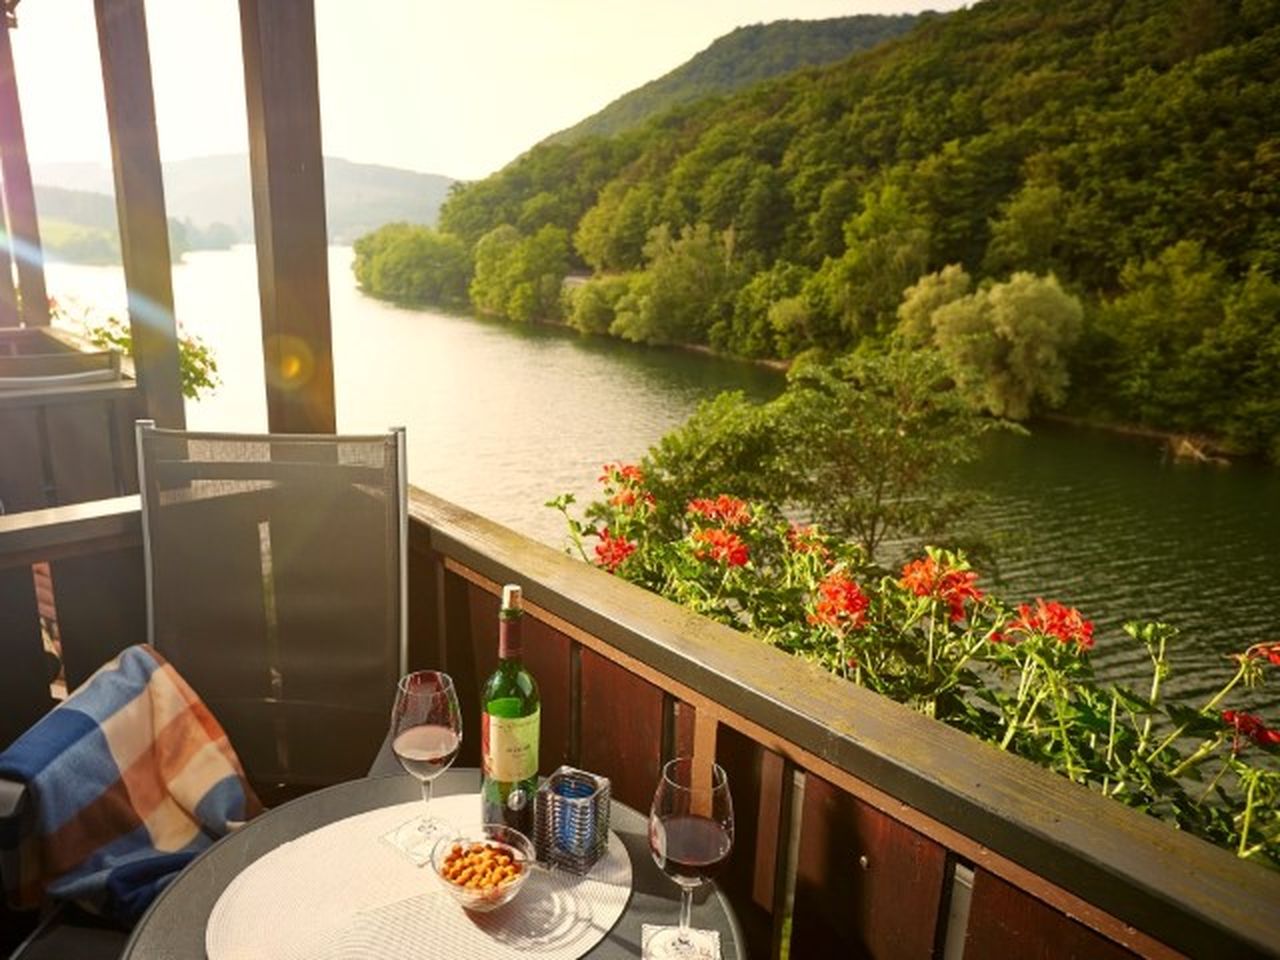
{"x": 458, "y": 87}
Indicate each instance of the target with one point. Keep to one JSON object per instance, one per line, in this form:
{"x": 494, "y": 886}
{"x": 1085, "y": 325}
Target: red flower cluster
{"x": 621, "y": 473}
{"x": 725, "y": 509}
{"x": 722, "y": 546}
{"x": 1248, "y": 725}
{"x": 1265, "y": 651}
{"x": 805, "y": 540}
{"x": 629, "y": 497}
{"x": 925, "y": 578}
{"x": 841, "y": 603}
{"x": 611, "y": 550}
{"x": 1055, "y": 620}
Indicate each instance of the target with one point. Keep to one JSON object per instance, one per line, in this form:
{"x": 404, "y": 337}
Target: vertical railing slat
{"x": 1004, "y": 921}
{"x": 865, "y": 881}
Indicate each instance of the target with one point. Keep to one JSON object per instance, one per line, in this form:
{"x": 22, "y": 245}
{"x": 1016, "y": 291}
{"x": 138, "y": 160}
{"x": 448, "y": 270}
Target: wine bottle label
{"x": 509, "y": 746}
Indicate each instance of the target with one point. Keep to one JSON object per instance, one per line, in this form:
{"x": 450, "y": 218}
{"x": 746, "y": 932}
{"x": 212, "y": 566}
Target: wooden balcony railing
{"x": 66, "y": 416}
{"x": 863, "y": 828}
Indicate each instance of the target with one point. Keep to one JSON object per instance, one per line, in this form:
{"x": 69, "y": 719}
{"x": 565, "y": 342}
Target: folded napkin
{"x": 127, "y": 781}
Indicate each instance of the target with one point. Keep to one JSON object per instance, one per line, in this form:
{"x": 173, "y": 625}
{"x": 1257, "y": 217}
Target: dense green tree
{"x": 520, "y": 277}
{"x": 922, "y": 299}
{"x": 413, "y": 264}
{"x": 861, "y": 446}
{"x": 593, "y": 305}
{"x": 611, "y": 235}
{"x": 1027, "y": 234}
{"x": 749, "y": 332}
{"x": 687, "y": 287}
{"x": 1006, "y": 345}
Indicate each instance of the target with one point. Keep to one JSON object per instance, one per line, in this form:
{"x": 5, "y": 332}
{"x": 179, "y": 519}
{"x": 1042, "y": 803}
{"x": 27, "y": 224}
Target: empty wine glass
{"x": 426, "y": 732}
{"x": 690, "y": 835}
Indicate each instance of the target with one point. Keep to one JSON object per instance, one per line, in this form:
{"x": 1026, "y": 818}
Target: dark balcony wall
{"x": 94, "y": 554}
{"x": 67, "y": 445}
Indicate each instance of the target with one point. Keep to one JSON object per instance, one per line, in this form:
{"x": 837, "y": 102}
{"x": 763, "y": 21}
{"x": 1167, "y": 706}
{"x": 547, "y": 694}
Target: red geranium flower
{"x": 724, "y": 509}
{"x": 611, "y": 550}
{"x": 841, "y": 603}
{"x": 925, "y": 578}
{"x": 1054, "y": 619}
{"x": 629, "y": 497}
{"x": 621, "y": 473}
{"x": 1248, "y": 725}
{"x": 721, "y": 546}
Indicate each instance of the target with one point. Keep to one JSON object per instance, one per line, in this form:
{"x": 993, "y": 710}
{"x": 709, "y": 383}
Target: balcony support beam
{"x": 8, "y": 292}
{"x": 282, "y": 93}
{"x": 19, "y": 195}
{"x": 140, "y": 208}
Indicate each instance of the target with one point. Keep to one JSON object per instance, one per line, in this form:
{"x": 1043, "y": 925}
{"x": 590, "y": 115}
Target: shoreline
{"x": 1195, "y": 447}
{"x": 1189, "y": 446}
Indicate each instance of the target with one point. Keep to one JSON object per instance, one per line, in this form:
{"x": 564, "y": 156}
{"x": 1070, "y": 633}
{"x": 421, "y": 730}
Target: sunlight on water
{"x": 501, "y": 418}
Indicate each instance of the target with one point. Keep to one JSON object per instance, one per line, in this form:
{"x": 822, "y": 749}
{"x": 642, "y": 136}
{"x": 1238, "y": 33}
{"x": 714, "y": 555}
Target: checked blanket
{"x": 127, "y": 781}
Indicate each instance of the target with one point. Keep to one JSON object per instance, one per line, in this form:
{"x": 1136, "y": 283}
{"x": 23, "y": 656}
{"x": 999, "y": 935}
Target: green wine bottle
{"x": 509, "y": 727}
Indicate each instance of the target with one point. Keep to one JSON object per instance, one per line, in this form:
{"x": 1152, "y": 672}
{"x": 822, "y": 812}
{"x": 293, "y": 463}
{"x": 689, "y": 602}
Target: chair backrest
{"x": 276, "y": 569}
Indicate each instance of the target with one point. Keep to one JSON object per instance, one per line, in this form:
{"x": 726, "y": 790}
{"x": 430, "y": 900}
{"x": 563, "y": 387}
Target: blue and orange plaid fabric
{"x": 127, "y": 781}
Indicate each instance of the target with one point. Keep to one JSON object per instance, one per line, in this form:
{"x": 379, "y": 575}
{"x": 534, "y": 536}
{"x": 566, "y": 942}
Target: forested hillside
{"x": 80, "y": 226}
{"x": 736, "y": 61}
{"x": 1071, "y": 200}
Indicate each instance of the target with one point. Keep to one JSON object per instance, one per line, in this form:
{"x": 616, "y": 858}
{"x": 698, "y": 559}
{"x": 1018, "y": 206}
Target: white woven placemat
{"x": 340, "y": 892}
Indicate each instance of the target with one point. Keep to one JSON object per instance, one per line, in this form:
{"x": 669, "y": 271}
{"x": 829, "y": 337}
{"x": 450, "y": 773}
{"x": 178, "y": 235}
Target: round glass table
{"x": 174, "y": 926}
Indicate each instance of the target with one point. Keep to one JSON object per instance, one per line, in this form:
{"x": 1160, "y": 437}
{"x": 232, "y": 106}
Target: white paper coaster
{"x": 340, "y": 892}
{"x": 706, "y": 942}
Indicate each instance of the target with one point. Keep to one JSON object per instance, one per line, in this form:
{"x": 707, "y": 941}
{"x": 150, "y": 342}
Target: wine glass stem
{"x": 686, "y": 913}
{"x": 426, "y": 799}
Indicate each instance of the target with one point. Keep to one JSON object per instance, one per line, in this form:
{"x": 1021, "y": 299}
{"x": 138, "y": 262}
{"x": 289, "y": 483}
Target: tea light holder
{"x": 571, "y": 819}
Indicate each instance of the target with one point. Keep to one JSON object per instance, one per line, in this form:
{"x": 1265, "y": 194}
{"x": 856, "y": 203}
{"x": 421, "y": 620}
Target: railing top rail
{"x": 1177, "y": 888}
{"x": 53, "y": 532}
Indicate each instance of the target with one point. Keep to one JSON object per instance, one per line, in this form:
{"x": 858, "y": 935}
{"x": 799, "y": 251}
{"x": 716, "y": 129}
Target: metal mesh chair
{"x": 276, "y": 572}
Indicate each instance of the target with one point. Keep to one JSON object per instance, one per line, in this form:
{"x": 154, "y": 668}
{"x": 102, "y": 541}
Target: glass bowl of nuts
{"x": 484, "y": 867}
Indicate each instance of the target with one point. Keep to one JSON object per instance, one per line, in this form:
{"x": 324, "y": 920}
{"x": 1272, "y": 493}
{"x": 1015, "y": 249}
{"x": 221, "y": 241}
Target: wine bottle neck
{"x": 510, "y": 646}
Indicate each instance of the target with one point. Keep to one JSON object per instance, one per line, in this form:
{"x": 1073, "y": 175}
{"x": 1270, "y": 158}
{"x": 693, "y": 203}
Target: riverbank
{"x": 1183, "y": 446}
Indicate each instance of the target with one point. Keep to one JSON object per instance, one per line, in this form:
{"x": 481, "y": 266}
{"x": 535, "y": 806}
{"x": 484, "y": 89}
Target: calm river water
{"x": 500, "y": 418}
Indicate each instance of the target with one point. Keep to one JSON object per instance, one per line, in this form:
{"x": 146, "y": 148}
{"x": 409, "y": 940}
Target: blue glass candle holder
{"x": 571, "y": 819}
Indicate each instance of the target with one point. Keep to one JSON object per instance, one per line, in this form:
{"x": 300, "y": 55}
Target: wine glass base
{"x": 416, "y": 838}
{"x": 663, "y": 943}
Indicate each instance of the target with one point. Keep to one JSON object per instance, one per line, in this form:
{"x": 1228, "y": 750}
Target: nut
{"x": 483, "y": 867}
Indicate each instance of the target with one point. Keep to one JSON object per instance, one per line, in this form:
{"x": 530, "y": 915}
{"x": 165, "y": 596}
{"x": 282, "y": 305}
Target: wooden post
{"x": 8, "y": 292}
{"x": 144, "y": 228}
{"x": 19, "y": 194}
{"x": 282, "y": 91}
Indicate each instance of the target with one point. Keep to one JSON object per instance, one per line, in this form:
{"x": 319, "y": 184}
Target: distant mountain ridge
{"x": 214, "y": 192}
{"x": 740, "y": 59}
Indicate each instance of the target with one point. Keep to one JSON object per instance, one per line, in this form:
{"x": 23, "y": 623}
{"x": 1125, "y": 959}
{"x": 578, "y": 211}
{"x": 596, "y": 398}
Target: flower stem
{"x": 1248, "y": 817}
{"x": 1212, "y": 702}
{"x": 1203, "y": 751}
{"x": 1156, "y": 676}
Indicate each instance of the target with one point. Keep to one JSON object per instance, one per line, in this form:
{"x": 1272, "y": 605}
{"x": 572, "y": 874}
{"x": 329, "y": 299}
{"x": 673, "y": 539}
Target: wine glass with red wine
{"x": 690, "y": 835}
{"x": 426, "y": 732}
